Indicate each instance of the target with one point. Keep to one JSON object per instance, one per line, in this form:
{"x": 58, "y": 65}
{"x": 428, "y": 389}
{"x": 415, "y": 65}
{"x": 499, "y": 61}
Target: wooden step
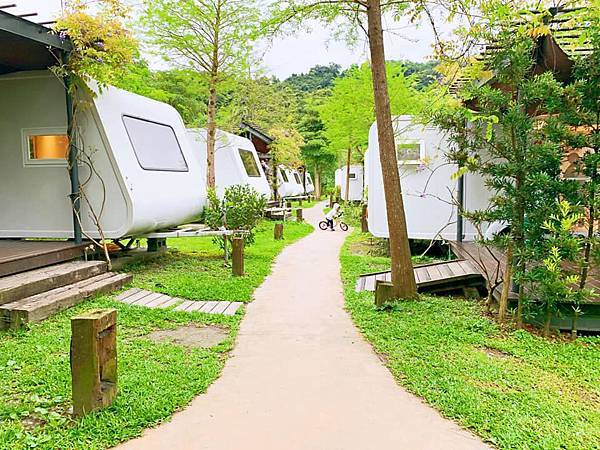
{"x": 18, "y": 256}
{"x": 26, "y": 284}
{"x": 40, "y": 306}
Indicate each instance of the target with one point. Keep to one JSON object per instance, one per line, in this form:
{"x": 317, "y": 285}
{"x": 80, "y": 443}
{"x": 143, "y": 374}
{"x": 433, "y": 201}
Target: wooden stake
{"x": 237, "y": 266}
{"x": 93, "y": 360}
{"x": 384, "y": 292}
{"x": 278, "y": 231}
{"x": 364, "y": 220}
{"x": 299, "y": 217}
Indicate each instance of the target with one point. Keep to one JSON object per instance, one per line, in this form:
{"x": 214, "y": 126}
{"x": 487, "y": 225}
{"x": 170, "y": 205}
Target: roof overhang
{"x": 253, "y": 131}
{"x": 26, "y": 45}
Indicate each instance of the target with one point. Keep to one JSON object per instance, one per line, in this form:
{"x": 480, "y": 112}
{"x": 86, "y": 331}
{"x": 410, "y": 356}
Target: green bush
{"x": 240, "y": 209}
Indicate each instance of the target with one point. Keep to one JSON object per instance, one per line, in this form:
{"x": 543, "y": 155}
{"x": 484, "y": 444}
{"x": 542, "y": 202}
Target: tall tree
{"x": 348, "y": 128}
{"x": 316, "y": 151}
{"x": 508, "y": 140}
{"x": 367, "y": 15}
{"x": 209, "y": 36}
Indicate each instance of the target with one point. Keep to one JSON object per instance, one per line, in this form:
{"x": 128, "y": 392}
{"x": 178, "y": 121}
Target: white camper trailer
{"x": 236, "y": 161}
{"x": 137, "y": 170}
{"x": 298, "y": 185}
{"x": 289, "y": 182}
{"x": 428, "y": 186}
{"x": 285, "y": 187}
{"x": 310, "y": 186}
{"x": 356, "y": 185}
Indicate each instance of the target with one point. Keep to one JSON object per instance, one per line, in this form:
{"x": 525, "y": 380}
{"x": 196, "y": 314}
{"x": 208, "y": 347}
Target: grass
{"x": 516, "y": 390}
{"x": 155, "y": 379}
{"x": 195, "y": 269}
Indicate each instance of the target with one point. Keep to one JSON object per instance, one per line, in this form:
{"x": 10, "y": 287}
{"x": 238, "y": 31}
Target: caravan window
{"x": 155, "y": 145}
{"x": 297, "y": 178}
{"x": 284, "y": 176}
{"x": 352, "y": 176}
{"x": 249, "y": 162}
{"x": 409, "y": 152}
{"x": 45, "y": 146}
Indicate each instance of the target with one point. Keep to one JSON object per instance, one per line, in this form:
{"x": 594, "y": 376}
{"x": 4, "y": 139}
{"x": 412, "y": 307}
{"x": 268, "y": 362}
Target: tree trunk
{"x": 520, "y": 304}
{"x": 506, "y": 280}
{"x": 211, "y": 128}
{"x": 590, "y": 236}
{"x": 318, "y": 183}
{"x": 547, "y": 321}
{"x": 347, "y": 196}
{"x": 403, "y": 277}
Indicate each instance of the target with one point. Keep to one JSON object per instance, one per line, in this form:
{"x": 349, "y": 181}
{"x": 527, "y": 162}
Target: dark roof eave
{"x": 256, "y": 132}
{"x": 33, "y": 31}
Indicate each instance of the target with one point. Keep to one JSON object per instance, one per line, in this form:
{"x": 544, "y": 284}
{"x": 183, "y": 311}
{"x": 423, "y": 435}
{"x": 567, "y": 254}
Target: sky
{"x": 298, "y": 53}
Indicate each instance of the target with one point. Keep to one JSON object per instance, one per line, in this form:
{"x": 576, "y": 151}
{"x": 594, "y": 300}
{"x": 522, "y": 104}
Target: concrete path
{"x": 302, "y": 377}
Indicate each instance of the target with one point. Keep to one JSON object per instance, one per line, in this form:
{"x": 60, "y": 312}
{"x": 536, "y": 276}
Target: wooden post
{"x": 278, "y": 231}
{"x": 237, "y": 266}
{"x": 288, "y": 205}
{"x": 300, "y": 202}
{"x": 93, "y": 360}
{"x": 364, "y": 219}
{"x": 384, "y": 292}
{"x": 299, "y": 217}
{"x": 347, "y": 196}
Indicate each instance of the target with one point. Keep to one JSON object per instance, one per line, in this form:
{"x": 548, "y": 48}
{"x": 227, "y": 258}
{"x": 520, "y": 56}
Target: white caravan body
{"x": 297, "y": 185}
{"x": 429, "y": 186}
{"x": 286, "y": 184}
{"x": 137, "y": 170}
{"x": 236, "y": 161}
{"x": 356, "y": 186}
{"x": 310, "y": 186}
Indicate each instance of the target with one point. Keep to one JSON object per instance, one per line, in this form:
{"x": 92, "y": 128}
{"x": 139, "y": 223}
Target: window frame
{"x": 284, "y": 176}
{"x": 129, "y": 116}
{"x": 256, "y": 164}
{"x": 297, "y": 178}
{"x": 409, "y": 162}
{"x": 28, "y": 161}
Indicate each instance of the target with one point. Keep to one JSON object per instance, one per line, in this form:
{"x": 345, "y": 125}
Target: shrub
{"x": 240, "y": 209}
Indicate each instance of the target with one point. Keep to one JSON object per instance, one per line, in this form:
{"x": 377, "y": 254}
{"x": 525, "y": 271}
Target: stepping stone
{"x": 149, "y": 299}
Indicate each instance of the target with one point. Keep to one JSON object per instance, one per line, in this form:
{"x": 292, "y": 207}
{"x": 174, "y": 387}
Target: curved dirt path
{"x": 302, "y": 377}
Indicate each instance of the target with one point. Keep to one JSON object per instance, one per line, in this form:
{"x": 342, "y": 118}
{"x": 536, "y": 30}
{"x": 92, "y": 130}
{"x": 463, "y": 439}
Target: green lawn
{"x": 195, "y": 270}
{"x": 514, "y": 389}
{"x": 155, "y": 380}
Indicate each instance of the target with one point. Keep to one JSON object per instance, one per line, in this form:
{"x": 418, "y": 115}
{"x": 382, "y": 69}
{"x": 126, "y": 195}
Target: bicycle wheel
{"x": 323, "y": 225}
{"x": 343, "y": 226}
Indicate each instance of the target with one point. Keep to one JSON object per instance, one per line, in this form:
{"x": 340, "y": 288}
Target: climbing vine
{"x": 102, "y": 46}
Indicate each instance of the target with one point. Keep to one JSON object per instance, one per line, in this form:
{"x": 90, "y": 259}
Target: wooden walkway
{"x": 436, "y": 277}
{"x": 141, "y": 297}
{"x": 490, "y": 262}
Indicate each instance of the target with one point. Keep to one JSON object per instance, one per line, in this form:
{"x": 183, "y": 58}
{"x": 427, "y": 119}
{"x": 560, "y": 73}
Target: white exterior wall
{"x": 289, "y": 188}
{"x": 229, "y": 168}
{"x": 34, "y": 199}
{"x": 356, "y": 185}
{"x": 310, "y": 187}
{"x": 428, "y": 187}
{"x": 297, "y": 188}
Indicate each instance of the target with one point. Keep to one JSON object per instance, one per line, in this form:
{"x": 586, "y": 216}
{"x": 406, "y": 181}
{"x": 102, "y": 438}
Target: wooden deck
{"x": 148, "y": 299}
{"x": 435, "y": 278}
{"x": 21, "y": 255}
{"x": 486, "y": 261}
